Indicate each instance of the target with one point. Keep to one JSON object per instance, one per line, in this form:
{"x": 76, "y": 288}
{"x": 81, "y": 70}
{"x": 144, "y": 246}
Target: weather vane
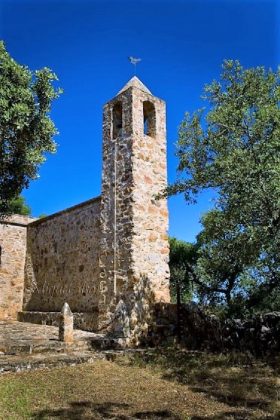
{"x": 134, "y": 61}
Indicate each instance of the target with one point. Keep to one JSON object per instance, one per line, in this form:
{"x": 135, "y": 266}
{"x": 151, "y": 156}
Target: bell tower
{"x": 134, "y": 244}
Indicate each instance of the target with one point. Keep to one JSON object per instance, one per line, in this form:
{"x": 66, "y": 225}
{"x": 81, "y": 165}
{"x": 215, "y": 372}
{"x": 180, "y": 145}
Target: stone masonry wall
{"x": 134, "y": 249}
{"x": 62, "y": 260}
{"x": 259, "y": 335}
{"x": 12, "y": 257}
{"x": 116, "y": 208}
{"x": 108, "y": 257}
{"x": 150, "y": 241}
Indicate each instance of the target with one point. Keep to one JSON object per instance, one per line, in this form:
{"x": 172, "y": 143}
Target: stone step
{"x": 52, "y": 346}
{"x": 106, "y": 343}
{"x": 27, "y": 338}
{"x": 18, "y": 363}
{"x": 42, "y": 347}
{"x": 24, "y": 362}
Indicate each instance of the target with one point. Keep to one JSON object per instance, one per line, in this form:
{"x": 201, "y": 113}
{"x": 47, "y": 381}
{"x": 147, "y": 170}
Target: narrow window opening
{"x": 149, "y": 119}
{"x": 117, "y": 120}
{"x": 0, "y": 255}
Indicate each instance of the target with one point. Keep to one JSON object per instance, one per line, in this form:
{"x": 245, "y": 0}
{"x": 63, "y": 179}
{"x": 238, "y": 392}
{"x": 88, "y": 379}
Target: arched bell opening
{"x": 117, "y": 120}
{"x": 149, "y": 119}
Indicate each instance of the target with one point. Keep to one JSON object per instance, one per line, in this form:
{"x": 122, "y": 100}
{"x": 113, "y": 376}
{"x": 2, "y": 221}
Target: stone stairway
{"x": 25, "y": 346}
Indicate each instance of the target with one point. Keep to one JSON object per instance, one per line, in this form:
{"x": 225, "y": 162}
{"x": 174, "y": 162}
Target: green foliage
{"x": 234, "y": 149}
{"x": 224, "y": 253}
{"x": 19, "y": 206}
{"x": 26, "y": 129}
{"x": 181, "y": 262}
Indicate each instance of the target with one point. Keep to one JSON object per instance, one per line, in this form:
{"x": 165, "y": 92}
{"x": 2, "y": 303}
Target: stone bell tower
{"x": 134, "y": 245}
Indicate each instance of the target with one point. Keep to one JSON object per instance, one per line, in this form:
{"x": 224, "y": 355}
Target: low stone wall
{"x": 82, "y": 321}
{"x": 259, "y": 335}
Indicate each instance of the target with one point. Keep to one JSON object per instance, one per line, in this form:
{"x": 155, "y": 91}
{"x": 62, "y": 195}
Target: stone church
{"x": 106, "y": 257}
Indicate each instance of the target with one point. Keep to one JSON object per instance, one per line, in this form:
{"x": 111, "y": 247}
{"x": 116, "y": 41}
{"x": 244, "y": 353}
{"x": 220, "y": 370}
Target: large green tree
{"x": 233, "y": 147}
{"x": 26, "y": 129}
{"x": 225, "y": 257}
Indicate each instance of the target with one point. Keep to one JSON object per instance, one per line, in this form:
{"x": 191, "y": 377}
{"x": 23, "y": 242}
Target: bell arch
{"x": 117, "y": 120}
{"x": 149, "y": 119}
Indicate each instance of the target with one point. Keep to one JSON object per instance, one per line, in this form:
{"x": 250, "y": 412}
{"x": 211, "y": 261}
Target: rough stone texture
{"x": 66, "y": 324}
{"x": 134, "y": 246}
{"x": 62, "y": 260}
{"x": 259, "y": 335}
{"x": 109, "y": 256}
{"x": 25, "y": 346}
{"x": 13, "y": 248}
{"x": 22, "y": 337}
{"x": 87, "y": 321}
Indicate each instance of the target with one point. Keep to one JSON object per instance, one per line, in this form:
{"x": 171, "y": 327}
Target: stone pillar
{"x": 66, "y": 325}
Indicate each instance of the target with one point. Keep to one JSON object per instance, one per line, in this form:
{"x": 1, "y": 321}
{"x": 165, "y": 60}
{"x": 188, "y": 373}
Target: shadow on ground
{"x": 238, "y": 380}
{"x": 230, "y": 415}
{"x": 108, "y": 410}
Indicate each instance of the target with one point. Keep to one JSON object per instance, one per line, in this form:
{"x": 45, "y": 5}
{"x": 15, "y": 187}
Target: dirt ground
{"x": 165, "y": 385}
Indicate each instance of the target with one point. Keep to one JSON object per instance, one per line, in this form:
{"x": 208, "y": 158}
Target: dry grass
{"x": 250, "y": 386}
{"x": 162, "y": 384}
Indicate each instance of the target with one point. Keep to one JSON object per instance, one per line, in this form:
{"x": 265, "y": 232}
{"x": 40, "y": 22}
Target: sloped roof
{"x": 136, "y": 83}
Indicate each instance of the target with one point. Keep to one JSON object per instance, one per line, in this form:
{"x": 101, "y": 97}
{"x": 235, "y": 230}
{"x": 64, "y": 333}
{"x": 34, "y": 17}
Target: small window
{"x": 149, "y": 119}
{"x": 117, "y": 120}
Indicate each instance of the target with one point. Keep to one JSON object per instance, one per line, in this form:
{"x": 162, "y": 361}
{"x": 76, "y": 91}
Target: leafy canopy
{"x": 26, "y": 129}
{"x": 233, "y": 147}
{"x": 182, "y": 259}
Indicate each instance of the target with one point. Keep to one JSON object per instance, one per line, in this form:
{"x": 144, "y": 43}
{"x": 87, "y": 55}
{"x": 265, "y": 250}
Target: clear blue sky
{"x": 182, "y": 45}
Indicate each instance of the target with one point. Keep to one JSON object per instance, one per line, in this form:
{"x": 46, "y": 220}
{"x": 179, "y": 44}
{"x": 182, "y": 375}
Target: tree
{"x": 234, "y": 148}
{"x": 182, "y": 259}
{"x": 26, "y": 129}
{"x": 225, "y": 256}
{"x": 19, "y": 206}
{"x": 181, "y": 262}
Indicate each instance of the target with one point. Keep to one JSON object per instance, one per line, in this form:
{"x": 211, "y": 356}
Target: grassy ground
{"x": 167, "y": 384}
{"x": 250, "y": 387}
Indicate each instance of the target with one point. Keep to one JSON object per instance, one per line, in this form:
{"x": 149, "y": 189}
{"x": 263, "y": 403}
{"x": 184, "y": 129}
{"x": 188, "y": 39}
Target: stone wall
{"x": 87, "y": 321}
{"x": 62, "y": 260}
{"x": 108, "y": 257}
{"x": 12, "y": 257}
{"x": 134, "y": 246}
{"x": 259, "y": 335}
{"x": 150, "y": 246}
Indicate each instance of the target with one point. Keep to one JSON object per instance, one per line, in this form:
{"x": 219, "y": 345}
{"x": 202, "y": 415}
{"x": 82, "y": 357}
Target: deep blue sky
{"x": 182, "y": 45}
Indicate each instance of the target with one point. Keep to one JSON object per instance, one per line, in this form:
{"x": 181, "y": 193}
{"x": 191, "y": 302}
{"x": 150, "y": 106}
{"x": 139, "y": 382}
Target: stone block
{"x": 66, "y": 324}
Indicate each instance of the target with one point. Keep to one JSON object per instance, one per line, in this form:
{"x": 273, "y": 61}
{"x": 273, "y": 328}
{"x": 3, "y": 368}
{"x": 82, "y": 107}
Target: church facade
{"x": 107, "y": 257}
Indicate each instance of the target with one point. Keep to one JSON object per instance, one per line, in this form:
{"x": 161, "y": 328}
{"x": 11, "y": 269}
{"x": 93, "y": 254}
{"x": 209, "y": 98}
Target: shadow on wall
{"x": 107, "y": 410}
{"x": 133, "y": 312}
